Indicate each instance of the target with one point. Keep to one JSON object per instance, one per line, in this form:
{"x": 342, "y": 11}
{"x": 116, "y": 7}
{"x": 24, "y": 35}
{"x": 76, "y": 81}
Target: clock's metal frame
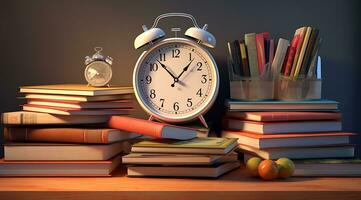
{"x": 192, "y": 116}
{"x": 101, "y": 62}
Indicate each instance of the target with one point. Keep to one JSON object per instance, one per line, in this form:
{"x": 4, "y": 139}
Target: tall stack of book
{"x": 293, "y": 129}
{"x": 62, "y": 131}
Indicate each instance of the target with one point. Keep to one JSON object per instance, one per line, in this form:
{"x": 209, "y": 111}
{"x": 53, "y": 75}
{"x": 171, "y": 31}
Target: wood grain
{"x": 236, "y": 184}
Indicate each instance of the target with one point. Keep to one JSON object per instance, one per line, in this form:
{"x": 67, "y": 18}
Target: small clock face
{"x": 176, "y": 80}
{"x": 98, "y": 73}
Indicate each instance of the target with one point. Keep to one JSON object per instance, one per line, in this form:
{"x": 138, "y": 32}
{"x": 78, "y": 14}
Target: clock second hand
{"x": 184, "y": 70}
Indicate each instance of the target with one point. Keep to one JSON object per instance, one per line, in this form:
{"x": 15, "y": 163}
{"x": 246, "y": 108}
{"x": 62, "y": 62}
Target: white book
{"x": 279, "y": 56}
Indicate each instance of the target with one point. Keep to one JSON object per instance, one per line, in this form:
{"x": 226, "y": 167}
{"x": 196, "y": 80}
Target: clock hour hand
{"x": 184, "y": 70}
{"x": 164, "y": 67}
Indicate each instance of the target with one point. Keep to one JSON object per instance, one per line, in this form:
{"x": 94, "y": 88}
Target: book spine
{"x": 279, "y": 56}
{"x": 72, "y": 135}
{"x": 244, "y": 58}
{"x": 250, "y": 41}
{"x": 310, "y": 46}
{"x": 144, "y": 127}
{"x": 302, "y": 52}
{"x": 261, "y": 57}
{"x": 301, "y": 34}
{"x": 291, "y": 56}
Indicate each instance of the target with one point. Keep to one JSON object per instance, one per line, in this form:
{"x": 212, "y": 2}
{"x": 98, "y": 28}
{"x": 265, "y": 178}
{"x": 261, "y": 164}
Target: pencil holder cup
{"x": 303, "y": 89}
{"x": 249, "y": 88}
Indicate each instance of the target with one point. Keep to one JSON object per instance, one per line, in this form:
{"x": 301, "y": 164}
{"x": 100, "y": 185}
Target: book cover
{"x": 250, "y": 41}
{"x": 287, "y": 65}
{"x": 36, "y": 118}
{"x": 74, "y": 98}
{"x": 310, "y": 46}
{"x": 151, "y": 128}
{"x": 283, "y": 127}
{"x": 82, "y": 105}
{"x": 244, "y": 58}
{"x": 76, "y": 89}
{"x": 302, "y": 52}
{"x": 59, "y": 168}
{"x": 237, "y": 58}
{"x": 75, "y": 111}
{"x": 66, "y": 135}
{"x": 301, "y": 32}
{"x": 261, "y": 52}
{"x": 279, "y": 56}
{"x": 284, "y": 116}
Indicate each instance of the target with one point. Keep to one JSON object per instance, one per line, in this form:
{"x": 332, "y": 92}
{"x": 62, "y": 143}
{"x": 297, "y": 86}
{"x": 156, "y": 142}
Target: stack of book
{"x": 62, "y": 131}
{"x": 199, "y": 157}
{"x": 294, "y": 129}
{"x": 256, "y": 55}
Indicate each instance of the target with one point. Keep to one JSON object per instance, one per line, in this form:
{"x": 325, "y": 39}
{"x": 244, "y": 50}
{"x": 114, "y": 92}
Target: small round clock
{"x": 98, "y": 71}
{"x": 176, "y": 79}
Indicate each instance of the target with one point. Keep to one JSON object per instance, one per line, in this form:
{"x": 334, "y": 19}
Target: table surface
{"x": 237, "y": 180}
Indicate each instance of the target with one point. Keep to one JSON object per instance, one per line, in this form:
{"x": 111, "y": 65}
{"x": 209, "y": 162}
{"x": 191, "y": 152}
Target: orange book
{"x": 283, "y": 127}
{"x": 284, "y": 116}
{"x": 151, "y": 128}
{"x": 71, "y": 135}
{"x": 289, "y": 140}
{"x": 75, "y": 111}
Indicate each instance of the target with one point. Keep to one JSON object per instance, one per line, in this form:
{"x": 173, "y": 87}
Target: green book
{"x": 207, "y": 145}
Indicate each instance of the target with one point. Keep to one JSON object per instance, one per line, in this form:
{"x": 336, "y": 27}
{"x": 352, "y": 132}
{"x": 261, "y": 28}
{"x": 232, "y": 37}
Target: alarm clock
{"x": 98, "y": 71}
{"x": 176, "y": 79}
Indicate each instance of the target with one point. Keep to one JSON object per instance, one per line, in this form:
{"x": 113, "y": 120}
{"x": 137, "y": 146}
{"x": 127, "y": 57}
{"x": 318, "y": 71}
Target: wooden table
{"x": 234, "y": 185}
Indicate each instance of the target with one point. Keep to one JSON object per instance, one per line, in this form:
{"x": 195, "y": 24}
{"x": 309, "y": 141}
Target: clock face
{"x": 98, "y": 73}
{"x": 176, "y": 80}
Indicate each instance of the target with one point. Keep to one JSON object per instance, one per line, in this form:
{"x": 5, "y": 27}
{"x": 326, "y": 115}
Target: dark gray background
{"x": 44, "y": 42}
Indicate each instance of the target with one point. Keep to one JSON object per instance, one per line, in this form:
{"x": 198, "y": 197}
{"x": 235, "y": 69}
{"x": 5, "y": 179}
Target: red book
{"x": 287, "y": 65}
{"x": 260, "y": 38}
{"x": 284, "y": 116}
{"x": 151, "y": 128}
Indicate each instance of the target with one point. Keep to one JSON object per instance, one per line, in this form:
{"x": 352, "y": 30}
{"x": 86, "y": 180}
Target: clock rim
{"x": 204, "y": 108}
{"x": 98, "y": 85}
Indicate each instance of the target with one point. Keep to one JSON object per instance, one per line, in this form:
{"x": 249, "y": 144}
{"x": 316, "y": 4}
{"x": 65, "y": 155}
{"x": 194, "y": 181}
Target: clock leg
{"x": 151, "y": 118}
{"x": 201, "y": 118}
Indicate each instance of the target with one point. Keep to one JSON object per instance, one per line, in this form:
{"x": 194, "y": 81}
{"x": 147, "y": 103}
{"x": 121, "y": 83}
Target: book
{"x": 309, "y": 105}
{"x": 59, "y": 168}
{"x": 244, "y": 59}
{"x": 279, "y": 56}
{"x": 151, "y": 128}
{"x": 61, "y": 151}
{"x": 338, "y": 151}
{"x": 290, "y": 56}
{"x": 284, "y": 116}
{"x": 237, "y": 58}
{"x": 328, "y": 167}
{"x": 82, "y": 105}
{"x": 301, "y": 34}
{"x": 283, "y": 127}
{"x": 75, "y": 111}
{"x": 233, "y": 58}
{"x": 73, "y": 98}
{"x": 36, "y": 118}
{"x": 212, "y": 171}
{"x": 310, "y": 46}
{"x": 302, "y": 52}
{"x": 66, "y": 135}
{"x": 250, "y": 41}
{"x": 289, "y": 140}
{"x": 76, "y": 89}
{"x": 261, "y": 57}
{"x": 209, "y": 145}
{"x": 176, "y": 159}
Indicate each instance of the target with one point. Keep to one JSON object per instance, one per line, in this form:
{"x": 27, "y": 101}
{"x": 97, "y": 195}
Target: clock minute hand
{"x": 164, "y": 67}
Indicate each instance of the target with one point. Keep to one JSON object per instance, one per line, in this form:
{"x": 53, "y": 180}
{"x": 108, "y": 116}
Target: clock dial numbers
{"x": 178, "y": 89}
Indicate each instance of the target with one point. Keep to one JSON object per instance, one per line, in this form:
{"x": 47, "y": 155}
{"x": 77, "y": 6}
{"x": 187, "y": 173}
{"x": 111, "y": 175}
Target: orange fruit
{"x": 268, "y": 170}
